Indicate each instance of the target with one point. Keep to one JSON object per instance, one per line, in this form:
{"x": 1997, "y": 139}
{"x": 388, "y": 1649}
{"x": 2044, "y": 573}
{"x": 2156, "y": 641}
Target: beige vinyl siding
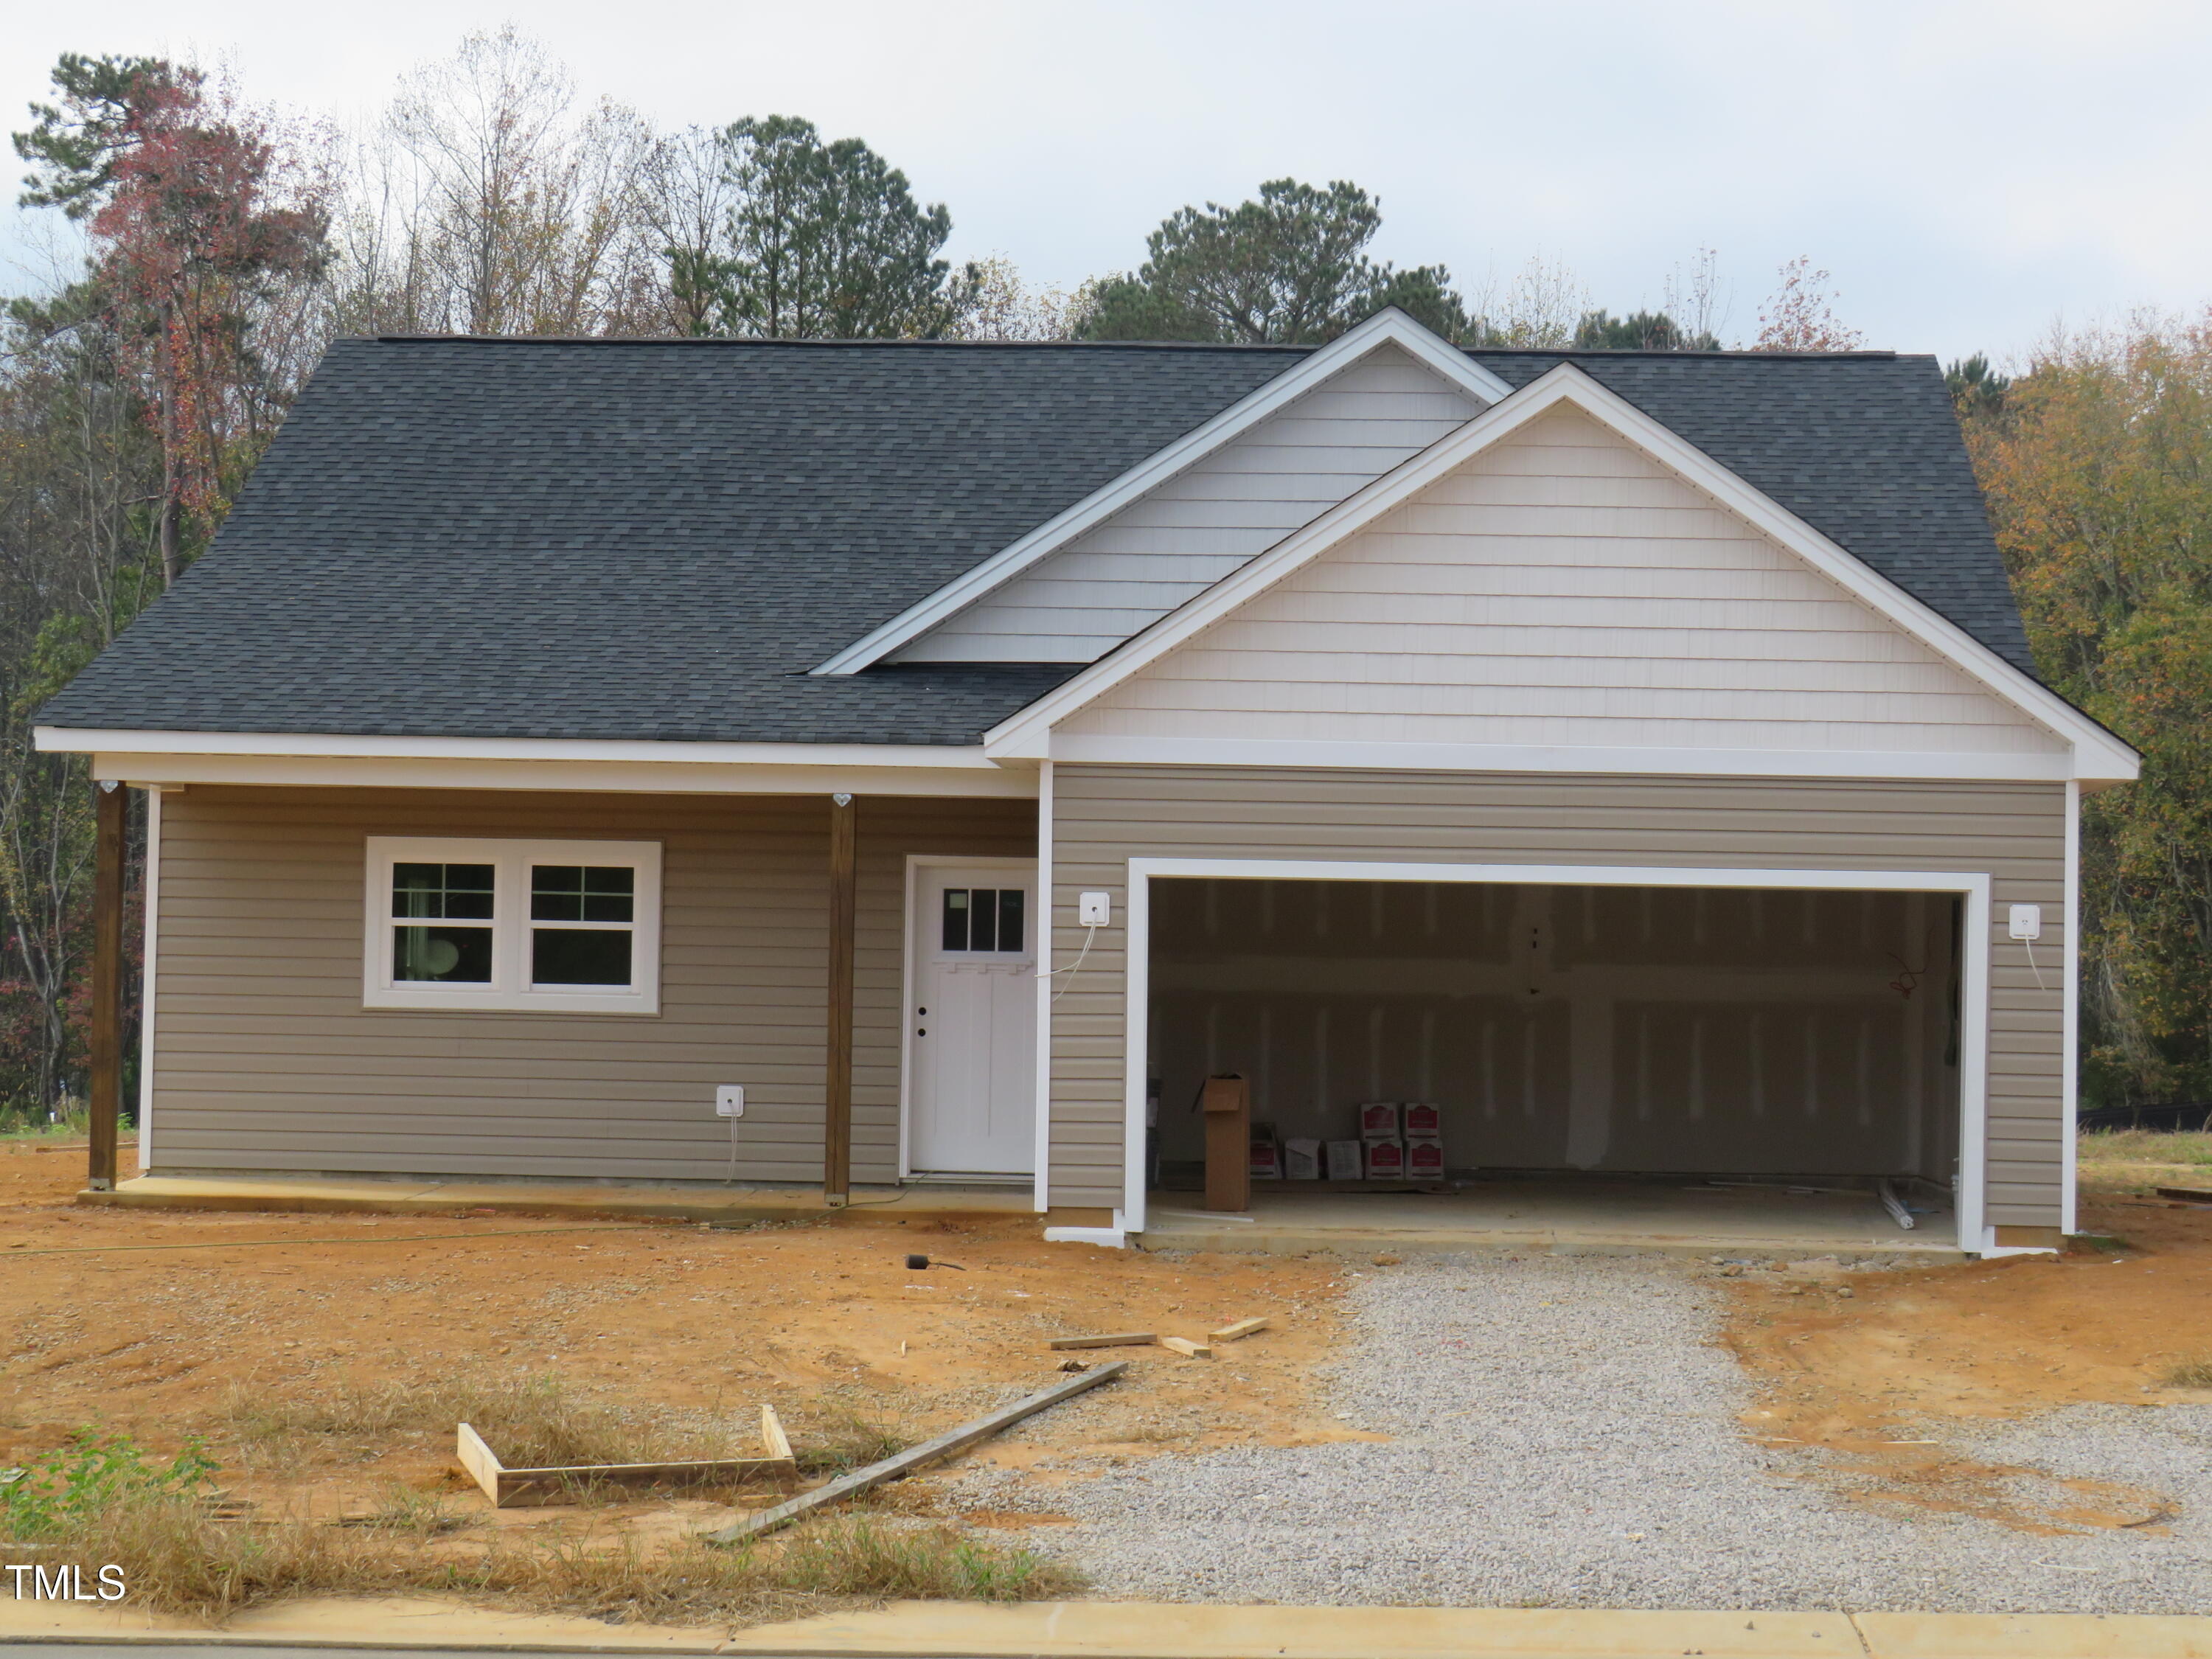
{"x": 1159, "y": 552}
{"x": 1562, "y": 588}
{"x": 1103, "y": 816}
{"x": 265, "y": 1058}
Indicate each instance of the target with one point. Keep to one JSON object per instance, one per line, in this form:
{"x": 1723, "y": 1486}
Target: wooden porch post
{"x": 837, "y": 1120}
{"x": 106, "y": 981}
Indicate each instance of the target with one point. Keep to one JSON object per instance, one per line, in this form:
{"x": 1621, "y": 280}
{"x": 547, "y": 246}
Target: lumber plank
{"x": 1187, "y": 1348}
{"x": 948, "y": 1444}
{"x": 2186, "y": 1194}
{"x": 479, "y": 1460}
{"x": 1241, "y": 1329}
{"x": 1121, "y": 1340}
{"x": 773, "y": 1437}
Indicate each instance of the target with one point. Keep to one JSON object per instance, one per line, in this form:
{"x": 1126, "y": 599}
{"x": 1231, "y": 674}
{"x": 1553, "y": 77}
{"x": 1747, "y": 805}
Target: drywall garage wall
{"x": 1632, "y": 1029}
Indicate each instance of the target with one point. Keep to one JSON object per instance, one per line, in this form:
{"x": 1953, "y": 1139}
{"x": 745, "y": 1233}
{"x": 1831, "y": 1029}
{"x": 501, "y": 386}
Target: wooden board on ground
{"x": 526, "y": 1488}
{"x": 2187, "y": 1195}
{"x": 950, "y": 1442}
{"x": 1187, "y": 1348}
{"x": 1241, "y": 1328}
{"x": 1124, "y": 1339}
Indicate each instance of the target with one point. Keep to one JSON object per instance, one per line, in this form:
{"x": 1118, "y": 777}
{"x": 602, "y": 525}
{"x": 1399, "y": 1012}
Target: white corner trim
{"x": 2096, "y": 753}
{"x": 1391, "y": 326}
{"x": 1937, "y": 765}
{"x": 1112, "y": 1237}
{"x": 2070, "y": 1048}
{"x": 149, "y": 966}
{"x": 1973, "y": 886}
{"x": 1041, "y": 1192}
{"x": 80, "y": 740}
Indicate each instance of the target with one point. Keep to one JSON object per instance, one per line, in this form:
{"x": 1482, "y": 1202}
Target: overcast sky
{"x": 1970, "y": 173}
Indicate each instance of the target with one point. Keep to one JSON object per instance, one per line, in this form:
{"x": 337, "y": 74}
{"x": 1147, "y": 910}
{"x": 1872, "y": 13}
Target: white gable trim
{"x": 2098, "y": 755}
{"x": 1391, "y": 326}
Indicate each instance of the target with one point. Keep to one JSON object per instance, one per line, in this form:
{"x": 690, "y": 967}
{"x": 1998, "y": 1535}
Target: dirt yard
{"x": 690, "y": 1327}
{"x": 1869, "y": 1365}
{"x": 240, "y": 1340}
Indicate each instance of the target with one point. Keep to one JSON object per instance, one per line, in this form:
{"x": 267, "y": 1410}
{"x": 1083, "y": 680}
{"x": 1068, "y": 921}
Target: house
{"x": 943, "y": 757}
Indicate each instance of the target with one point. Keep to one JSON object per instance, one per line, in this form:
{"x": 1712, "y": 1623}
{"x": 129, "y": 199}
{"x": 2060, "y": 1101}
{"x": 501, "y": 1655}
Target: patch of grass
{"x": 2146, "y": 1147}
{"x": 103, "y": 1500}
{"x": 2096, "y": 1244}
{"x": 2188, "y": 1374}
{"x": 532, "y": 1422}
{"x": 404, "y": 1512}
{"x": 839, "y": 1436}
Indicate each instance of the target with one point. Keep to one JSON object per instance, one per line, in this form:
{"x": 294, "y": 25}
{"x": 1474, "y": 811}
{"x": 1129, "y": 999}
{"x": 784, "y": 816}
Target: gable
{"x": 1560, "y": 589}
{"x": 1162, "y": 550}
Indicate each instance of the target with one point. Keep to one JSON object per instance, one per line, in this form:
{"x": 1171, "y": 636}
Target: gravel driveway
{"x": 1564, "y": 1436}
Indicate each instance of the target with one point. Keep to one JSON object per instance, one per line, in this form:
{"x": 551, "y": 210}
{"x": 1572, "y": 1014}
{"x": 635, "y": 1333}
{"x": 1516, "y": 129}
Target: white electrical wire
{"x": 1090, "y": 934}
{"x": 2028, "y": 946}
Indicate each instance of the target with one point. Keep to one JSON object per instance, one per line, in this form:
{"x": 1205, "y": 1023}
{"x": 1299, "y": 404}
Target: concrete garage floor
{"x": 1566, "y": 1214}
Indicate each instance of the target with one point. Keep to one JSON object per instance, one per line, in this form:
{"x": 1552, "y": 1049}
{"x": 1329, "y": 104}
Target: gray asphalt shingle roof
{"x": 658, "y": 539}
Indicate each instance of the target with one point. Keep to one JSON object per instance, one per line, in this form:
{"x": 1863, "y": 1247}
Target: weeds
{"x": 2188, "y": 1374}
{"x": 531, "y": 1422}
{"x": 840, "y": 1436}
{"x": 93, "y": 1474}
{"x": 2146, "y": 1147}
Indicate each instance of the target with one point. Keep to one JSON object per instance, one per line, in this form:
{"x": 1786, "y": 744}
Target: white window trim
{"x": 1975, "y": 1236}
{"x": 511, "y": 861}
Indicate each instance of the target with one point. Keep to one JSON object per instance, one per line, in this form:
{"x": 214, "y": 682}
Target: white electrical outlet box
{"x": 729, "y": 1100}
{"x": 1094, "y": 909}
{"x": 2028, "y": 921}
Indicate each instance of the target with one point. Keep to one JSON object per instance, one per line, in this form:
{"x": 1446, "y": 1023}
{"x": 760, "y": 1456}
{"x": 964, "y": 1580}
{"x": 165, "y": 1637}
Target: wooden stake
{"x": 930, "y": 1451}
{"x": 1123, "y": 1339}
{"x": 1242, "y": 1328}
{"x": 106, "y": 1034}
{"x": 837, "y": 1114}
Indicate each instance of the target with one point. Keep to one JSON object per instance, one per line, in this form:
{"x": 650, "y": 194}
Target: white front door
{"x": 971, "y": 1021}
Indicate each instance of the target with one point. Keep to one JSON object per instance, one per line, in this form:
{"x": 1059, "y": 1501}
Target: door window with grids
{"x": 520, "y": 925}
{"x": 983, "y": 918}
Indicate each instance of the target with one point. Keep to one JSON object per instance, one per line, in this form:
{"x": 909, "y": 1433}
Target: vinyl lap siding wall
{"x": 2015, "y": 832}
{"x": 1196, "y": 528}
{"x": 1562, "y": 588}
{"x": 265, "y": 1060}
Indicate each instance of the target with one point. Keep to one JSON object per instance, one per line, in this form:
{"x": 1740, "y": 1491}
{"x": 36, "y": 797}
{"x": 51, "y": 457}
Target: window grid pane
{"x": 575, "y": 956}
{"x": 582, "y": 893}
{"x": 455, "y": 892}
{"x": 984, "y": 918}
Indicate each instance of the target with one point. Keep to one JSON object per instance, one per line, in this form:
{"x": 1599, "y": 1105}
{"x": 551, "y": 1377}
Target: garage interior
{"x": 1702, "y": 1066}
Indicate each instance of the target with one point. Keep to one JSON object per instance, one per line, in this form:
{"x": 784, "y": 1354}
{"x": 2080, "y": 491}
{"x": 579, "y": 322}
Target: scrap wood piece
{"x": 1241, "y": 1329}
{"x": 1188, "y": 1349}
{"x": 524, "y": 1488}
{"x": 953, "y": 1441}
{"x": 1121, "y": 1340}
{"x": 2187, "y": 1195}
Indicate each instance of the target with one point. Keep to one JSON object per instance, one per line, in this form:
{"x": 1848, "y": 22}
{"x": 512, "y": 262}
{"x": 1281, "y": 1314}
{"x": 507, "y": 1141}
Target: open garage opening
{"x": 1609, "y": 1060}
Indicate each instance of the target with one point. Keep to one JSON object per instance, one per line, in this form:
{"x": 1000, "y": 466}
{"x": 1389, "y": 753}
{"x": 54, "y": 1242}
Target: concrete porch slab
{"x": 1562, "y": 1216}
{"x": 382, "y": 1195}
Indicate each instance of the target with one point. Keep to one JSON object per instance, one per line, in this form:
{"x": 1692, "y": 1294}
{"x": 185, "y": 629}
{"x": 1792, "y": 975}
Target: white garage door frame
{"x": 1973, "y": 991}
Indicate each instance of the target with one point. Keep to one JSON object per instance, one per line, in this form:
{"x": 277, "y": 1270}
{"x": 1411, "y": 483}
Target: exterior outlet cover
{"x": 2028, "y": 921}
{"x": 1094, "y": 909}
{"x": 729, "y": 1100}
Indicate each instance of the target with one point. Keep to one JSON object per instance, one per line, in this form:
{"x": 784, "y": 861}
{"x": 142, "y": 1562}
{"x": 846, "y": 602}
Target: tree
{"x": 2097, "y": 463}
{"x": 997, "y": 304}
{"x": 1799, "y": 315}
{"x": 197, "y": 230}
{"x": 1642, "y": 331}
{"x": 488, "y": 204}
{"x": 1289, "y": 268}
{"x": 826, "y": 240}
{"x": 1978, "y": 392}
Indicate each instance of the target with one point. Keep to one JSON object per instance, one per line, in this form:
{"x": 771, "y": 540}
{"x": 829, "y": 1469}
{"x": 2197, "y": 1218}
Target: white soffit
{"x": 2099, "y": 756}
{"x": 1390, "y": 326}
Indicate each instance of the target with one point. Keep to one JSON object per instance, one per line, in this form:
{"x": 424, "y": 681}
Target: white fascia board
{"x": 571, "y": 777}
{"x": 1563, "y": 757}
{"x": 2096, "y": 753}
{"x": 86, "y": 740}
{"x": 1391, "y": 326}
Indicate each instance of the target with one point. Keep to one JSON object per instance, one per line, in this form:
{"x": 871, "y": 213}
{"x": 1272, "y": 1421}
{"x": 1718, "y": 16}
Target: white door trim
{"x": 910, "y": 974}
{"x": 1974, "y": 978}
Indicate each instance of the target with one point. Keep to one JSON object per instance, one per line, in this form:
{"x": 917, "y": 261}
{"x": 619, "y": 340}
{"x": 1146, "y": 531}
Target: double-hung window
{"x": 550, "y": 925}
